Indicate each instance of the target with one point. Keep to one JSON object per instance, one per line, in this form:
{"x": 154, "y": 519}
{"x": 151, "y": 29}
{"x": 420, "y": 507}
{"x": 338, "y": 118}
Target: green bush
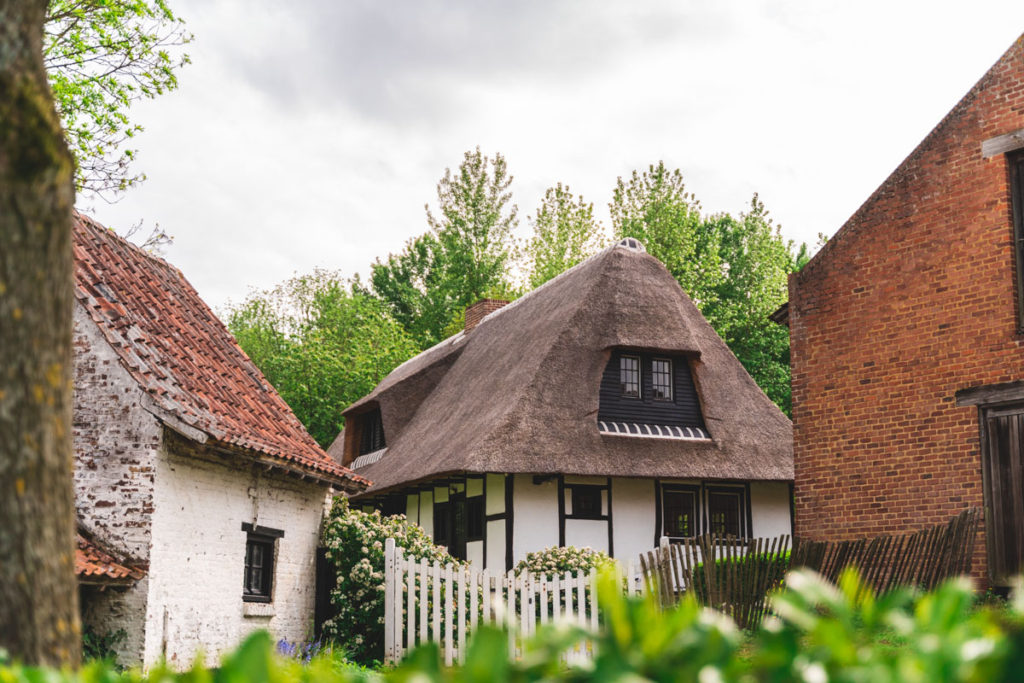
{"x": 355, "y": 546}
{"x": 558, "y": 560}
{"x": 819, "y": 632}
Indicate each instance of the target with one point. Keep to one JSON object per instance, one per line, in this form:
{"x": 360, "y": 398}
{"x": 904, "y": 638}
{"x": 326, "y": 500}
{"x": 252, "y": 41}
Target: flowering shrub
{"x": 355, "y": 546}
{"x": 560, "y": 560}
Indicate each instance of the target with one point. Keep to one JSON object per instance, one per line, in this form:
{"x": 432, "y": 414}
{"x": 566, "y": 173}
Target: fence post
{"x": 389, "y": 601}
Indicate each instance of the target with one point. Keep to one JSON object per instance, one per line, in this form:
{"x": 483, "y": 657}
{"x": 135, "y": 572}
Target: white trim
{"x": 369, "y": 458}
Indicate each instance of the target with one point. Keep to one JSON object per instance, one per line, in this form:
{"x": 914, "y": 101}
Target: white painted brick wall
{"x": 115, "y": 445}
{"x": 197, "y": 558}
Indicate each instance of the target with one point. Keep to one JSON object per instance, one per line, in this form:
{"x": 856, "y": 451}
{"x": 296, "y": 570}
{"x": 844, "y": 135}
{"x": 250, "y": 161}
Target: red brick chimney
{"x": 477, "y": 312}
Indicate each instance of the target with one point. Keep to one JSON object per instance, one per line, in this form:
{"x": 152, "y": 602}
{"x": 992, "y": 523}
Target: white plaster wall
{"x": 535, "y": 516}
{"x": 412, "y": 508}
{"x": 587, "y": 533}
{"x": 197, "y": 559}
{"x": 770, "y": 508}
{"x": 633, "y": 516}
{"x": 496, "y": 545}
{"x": 427, "y": 512}
{"x": 475, "y": 553}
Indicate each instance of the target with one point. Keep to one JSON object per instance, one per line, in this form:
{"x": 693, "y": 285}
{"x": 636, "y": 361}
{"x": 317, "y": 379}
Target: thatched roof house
{"x": 607, "y": 372}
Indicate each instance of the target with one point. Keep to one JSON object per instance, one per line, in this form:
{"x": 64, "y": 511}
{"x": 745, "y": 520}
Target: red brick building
{"x": 907, "y": 334}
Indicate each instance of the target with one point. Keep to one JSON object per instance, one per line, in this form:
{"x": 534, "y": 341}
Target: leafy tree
{"x": 755, "y": 265}
{"x": 466, "y": 253}
{"x": 101, "y": 56}
{"x": 564, "y": 233}
{"x": 655, "y": 208}
{"x": 322, "y": 343}
{"x": 39, "y": 598}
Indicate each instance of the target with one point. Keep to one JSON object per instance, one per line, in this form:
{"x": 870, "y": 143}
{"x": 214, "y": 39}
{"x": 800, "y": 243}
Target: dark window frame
{"x": 1016, "y": 173}
{"x": 576, "y": 492}
{"x": 669, "y": 489}
{"x": 671, "y": 380}
{"x": 476, "y": 524}
{"x": 258, "y": 579}
{"x": 743, "y": 504}
{"x": 639, "y": 376}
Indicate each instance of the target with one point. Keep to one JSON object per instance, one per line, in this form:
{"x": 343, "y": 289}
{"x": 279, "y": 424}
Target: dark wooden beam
{"x": 991, "y": 393}
{"x": 1003, "y": 143}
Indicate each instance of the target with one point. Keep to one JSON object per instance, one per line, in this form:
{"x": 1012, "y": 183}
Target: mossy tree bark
{"x": 38, "y": 594}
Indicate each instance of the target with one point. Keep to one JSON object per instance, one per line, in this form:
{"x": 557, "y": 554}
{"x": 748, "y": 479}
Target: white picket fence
{"x": 444, "y": 604}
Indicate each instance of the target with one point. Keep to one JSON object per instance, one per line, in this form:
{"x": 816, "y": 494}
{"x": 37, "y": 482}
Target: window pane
{"x": 586, "y": 501}
{"x": 629, "y": 376}
{"x": 680, "y": 511}
{"x": 724, "y": 509}
{"x": 661, "y": 379}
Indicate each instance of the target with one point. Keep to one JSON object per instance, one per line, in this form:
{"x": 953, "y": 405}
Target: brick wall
{"x": 115, "y": 445}
{"x": 911, "y": 301}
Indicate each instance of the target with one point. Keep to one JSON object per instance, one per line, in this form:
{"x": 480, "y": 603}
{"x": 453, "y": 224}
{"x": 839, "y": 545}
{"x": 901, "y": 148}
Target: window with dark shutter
{"x": 1017, "y": 194}
{"x": 371, "y": 433}
{"x": 1003, "y": 465}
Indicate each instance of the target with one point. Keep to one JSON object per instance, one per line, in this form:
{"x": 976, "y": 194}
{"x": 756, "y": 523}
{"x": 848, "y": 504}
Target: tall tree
{"x": 322, "y": 343}
{"x": 101, "y": 57}
{"x": 755, "y": 266}
{"x": 38, "y": 602}
{"x": 564, "y": 233}
{"x": 465, "y": 254}
{"x": 655, "y": 208}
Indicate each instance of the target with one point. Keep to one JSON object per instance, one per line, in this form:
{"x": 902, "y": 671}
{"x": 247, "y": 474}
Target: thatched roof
{"x": 519, "y": 393}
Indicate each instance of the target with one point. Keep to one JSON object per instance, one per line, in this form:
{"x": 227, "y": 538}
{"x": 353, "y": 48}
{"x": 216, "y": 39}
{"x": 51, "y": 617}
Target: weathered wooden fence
{"x": 745, "y": 571}
{"x": 922, "y": 559}
{"x": 729, "y": 574}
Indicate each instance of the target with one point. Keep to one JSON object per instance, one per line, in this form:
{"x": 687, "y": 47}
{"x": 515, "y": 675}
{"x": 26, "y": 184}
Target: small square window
{"x": 258, "y": 578}
{"x": 661, "y": 379}
{"x": 629, "y": 376}
{"x": 587, "y": 502}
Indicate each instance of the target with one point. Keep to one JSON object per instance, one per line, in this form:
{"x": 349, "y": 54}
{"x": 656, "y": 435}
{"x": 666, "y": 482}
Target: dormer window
{"x": 629, "y": 376}
{"x": 661, "y": 379}
{"x": 649, "y": 394}
{"x": 371, "y": 435}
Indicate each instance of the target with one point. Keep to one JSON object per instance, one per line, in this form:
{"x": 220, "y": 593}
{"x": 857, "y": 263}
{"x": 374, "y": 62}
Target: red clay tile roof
{"x": 95, "y": 565}
{"x": 184, "y": 358}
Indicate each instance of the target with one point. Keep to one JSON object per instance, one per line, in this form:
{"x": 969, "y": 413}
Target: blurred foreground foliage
{"x": 818, "y": 633}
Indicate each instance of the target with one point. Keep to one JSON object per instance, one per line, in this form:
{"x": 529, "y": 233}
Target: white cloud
{"x": 312, "y": 133}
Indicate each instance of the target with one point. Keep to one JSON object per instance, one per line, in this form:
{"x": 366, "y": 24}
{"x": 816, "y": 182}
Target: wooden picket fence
{"x": 428, "y": 602}
{"x": 445, "y": 604}
{"x": 922, "y": 559}
{"x": 734, "y": 576}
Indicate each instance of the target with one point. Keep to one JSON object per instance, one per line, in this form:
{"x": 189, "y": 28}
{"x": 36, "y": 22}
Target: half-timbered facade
{"x": 599, "y": 410}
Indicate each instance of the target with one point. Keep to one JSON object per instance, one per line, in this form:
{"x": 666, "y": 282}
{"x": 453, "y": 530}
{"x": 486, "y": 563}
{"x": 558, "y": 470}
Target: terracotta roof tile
{"x": 183, "y": 356}
{"x": 96, "y": 565}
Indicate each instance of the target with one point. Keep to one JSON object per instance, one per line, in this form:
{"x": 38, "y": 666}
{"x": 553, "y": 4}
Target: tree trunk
{"x": 38, "y": 594}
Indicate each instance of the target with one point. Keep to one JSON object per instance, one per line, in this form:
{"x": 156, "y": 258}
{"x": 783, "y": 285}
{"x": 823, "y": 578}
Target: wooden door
{"x": 1004, "y": 483}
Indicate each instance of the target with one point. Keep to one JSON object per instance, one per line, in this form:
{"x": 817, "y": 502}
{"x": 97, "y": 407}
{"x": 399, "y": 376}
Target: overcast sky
{"x": 311, "y": 134}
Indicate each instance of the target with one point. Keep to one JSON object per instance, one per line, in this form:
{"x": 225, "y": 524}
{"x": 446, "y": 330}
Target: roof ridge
{"x": 621, "y": 244}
